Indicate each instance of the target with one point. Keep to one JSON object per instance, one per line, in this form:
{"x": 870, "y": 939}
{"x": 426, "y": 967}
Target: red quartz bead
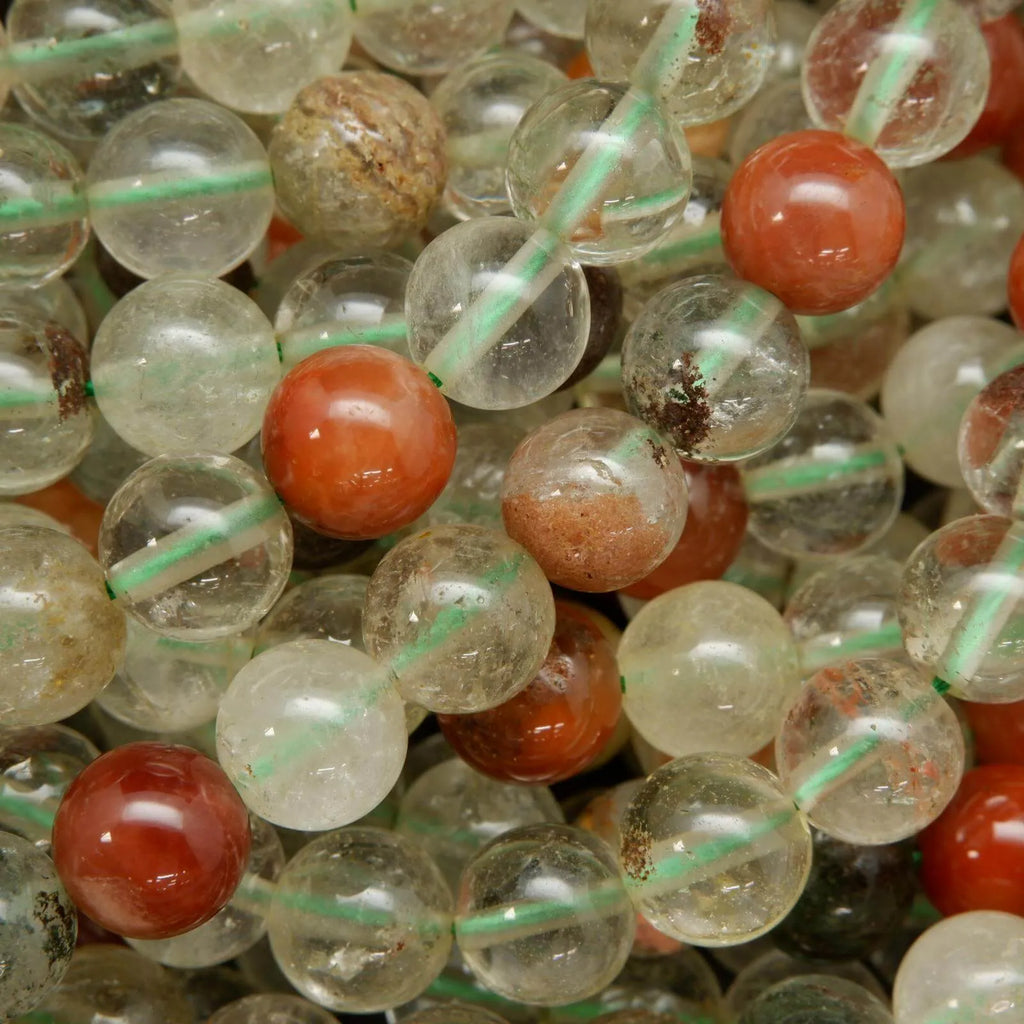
{"x": 560, "y": 722}
{"x": 716, "y": 520}
{"x": 815, "y": 218}
{"x": 973, "y": 854}
{"x": 151, "y": 840}
{"x": 357, "y": 442}
{"x": 1015, "y": 284}
{"x": 997, "y": 731}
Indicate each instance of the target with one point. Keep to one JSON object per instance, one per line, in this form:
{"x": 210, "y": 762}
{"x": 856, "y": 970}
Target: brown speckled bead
{"x": 359, "y": 158}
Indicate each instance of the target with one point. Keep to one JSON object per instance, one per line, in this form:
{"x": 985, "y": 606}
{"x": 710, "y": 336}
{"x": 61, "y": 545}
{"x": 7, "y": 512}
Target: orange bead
{"x": 357, "y": 442}
{"x": 815, "y": 218}
{"x": 1015, "y": 284}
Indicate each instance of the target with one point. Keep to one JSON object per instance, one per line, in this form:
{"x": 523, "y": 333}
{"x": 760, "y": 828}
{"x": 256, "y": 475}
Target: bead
{"x": 46, "y": 421}
{"x": 272, "y": 1006}
{"x": 257, "y": 59}
{"x": 596, "y": 497}
{"x": 997, "y": 731}
{"x": 43, "y": 220}
{"x": 455, "y": 1013}
{"x": 819, "y": 999}
{"x": 37, "y": 926}
{"x": 283, "y": 720}
{"x": 462, "y": 616}
{"x": 89, "y": 98}
{"x": 357, "y": 442}
{"x": 832, "y": 486}
{"x": 908, "y": 79}
{"x": 352, "y": 945}
{"x": 704, "y": 348}
{"x": 713, "y": 851}
{"x": 870, "y": 752}
{"x": 559, "y": 723}
{"x": 151, "y": 840}
{"x": 328, "y": 607}
{"x": 542, "y": 915}
{"x": 559, "y": 17}
{"x": 555, "y": 165}
{"x": 778, "y": 109}
{"x": 1015, "y": 283}
{"x": 358, "y": 158}
{"x": 966, "y": 968}
{"x": 144, "y": 179}
{"x": 489, "y": 361}
{"x": 195, "y": 547}
{"x": 707, "y": 666}
{"x": 64, "y": 636}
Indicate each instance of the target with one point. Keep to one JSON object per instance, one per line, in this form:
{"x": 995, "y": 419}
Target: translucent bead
{"x": 283, "y": 719}
{"x": 794, "y": 23}
{"x": 602, "y": 167}
{"x": 961, "y": 608}
{"x": 713, "y": 851}
{"x": 64, "y": 635}
{"x": 480, "y": 105}
{"x": 713, "y": 57}
{"x": 931, "y": 381}
{"x": 847, "y": 609}
{"x": 543, "y": 917}
{"x": 908, "y": 79}
{"x": 45, "y": 421}
{"x": 184, "y": 341}
{"x": 454, "y": 1013}
{"x": 359, "y": 158}
{"x": 497, "y": 312}
{"x": 351, "y": 300}
{"x": 429, "y": 38}
{"x": 353, "y": 945}
{"x": 453, "y": 811}
{"x": 870, "y": 751}
{"x": 461, "y": 616}
{"x": 596, "y": 498}
{"x": 44, "y": 224}
{"x": 196, "y": 548}
{"x": 717, "y": 366}
{"x": 325, "y": 608}
{"x": 991, "y": 445}
{"x": 831, "y": 486}
{"x": 963, "y": 221}
{"x": 777, "y": 109}
{"x": 255, "y": 59}
{"x": 91, "y": 96}
{"x": 819, "y": 998}
{"x": 171, "y": 685}
{"x": 965, "y": 968}
{"x": 707, "y": 666}
{"x": 180, "y": 186}
{"x": 236, "y": 927}
{"x": 272, "y": 1006}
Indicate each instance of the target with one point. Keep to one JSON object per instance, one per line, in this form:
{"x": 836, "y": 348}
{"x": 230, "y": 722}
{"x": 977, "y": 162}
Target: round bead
{"x": 355, "y": 945}
{"x": 713, "y": 851}
{"x": 596, "y": 497}
{"x": 44, "y": 224}
{"x": 870, "y": 752}
{"x": 815, "y": 218}
{"x": 458, "y": 331}
{"x": 910, "y": 84}
{"x": 283, "y": 720}
{"x": 47, "y": 424}
{"x": 832, "y": 486}
{"x": 816, "y": 998}
{"x": 184, "y": 341}
{"x": 180, "y": 186}
{"x": 961, "y": 611}
{"x": 64, "y": 636}
{"x": 577, "y": 922}
{"x": 554, "y": 165}
{"x": 707, "y": 666}
{"x": 327, "y": 607}
{"x": 559, "y": 723}
{"x": 91, "y": 96}
{"x": 462, "y": 616}
{"x": 970, "y": 860}
{"x": 257, "y": 60}
{"x": 38, "y": 926}
{"x": 151, "y": 840}
{"x": 358, "y": 159}
{"x": 966, "y": 968}
{"x": 357, "y": 441}
{"x": 272, "y": 1006}
{"x": 196, "y": 548}
{"x": 715, "y": 365}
